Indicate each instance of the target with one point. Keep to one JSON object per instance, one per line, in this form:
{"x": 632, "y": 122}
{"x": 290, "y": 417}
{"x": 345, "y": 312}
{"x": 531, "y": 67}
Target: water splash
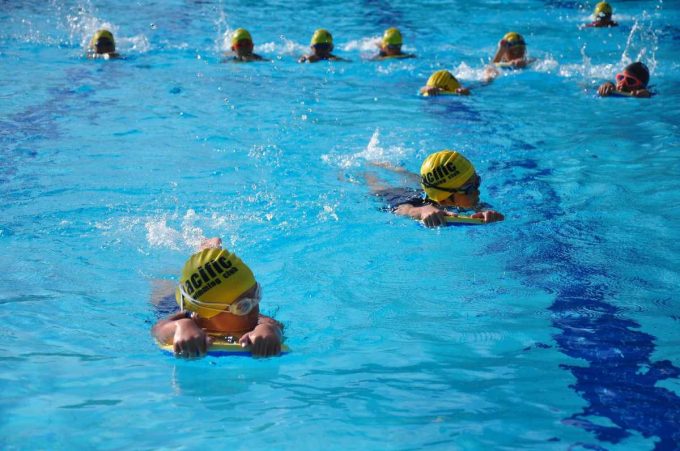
{"x": 160, "y": 234}
{"x": 642, "y": 42}
{"x": 224, "y": 31}
{"x": 373, "y": 152}
{"x": 82, "y": 24}
{"x": 286, "y": 47}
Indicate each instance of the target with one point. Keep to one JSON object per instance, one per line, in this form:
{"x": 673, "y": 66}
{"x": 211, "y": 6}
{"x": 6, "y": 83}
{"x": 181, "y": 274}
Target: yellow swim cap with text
{"x": 322, "y": 36}
{"x": 392, "y": 36}
{"x": 443, "y": 79}
{"x": 213, "y": 276}
{"x": 444, "y": 169}
{"x": 241, "y": 34}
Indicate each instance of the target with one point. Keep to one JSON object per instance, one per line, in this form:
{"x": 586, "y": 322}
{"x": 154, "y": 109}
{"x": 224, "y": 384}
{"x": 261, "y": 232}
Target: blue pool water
{"x": 555, "y": 329}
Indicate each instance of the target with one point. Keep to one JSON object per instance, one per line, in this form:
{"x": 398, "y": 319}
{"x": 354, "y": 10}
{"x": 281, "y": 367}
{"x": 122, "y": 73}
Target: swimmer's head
{"x": 392, "y": 36}
{"x": 321, "y": 36}
{"x": 242, "y": 42}
{"x": 634, "y": 76}
{"x": 211, "y": 281}
{"x": 443, "y": 173}
{"x": 241, "y": 34}
{"x": 602, "y": 10}
{"x": 443, "y": 79}
{"x": 513, "y": 45}
{"x": 103, "y": 42}
{"x": 391, "y": 42}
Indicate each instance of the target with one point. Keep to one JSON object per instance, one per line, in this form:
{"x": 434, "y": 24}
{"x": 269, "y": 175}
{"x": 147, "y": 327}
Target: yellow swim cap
{"x": 102, "y": 34}
{"x": 392, "y": 36}
{"x": 603, "y": 9}
{"x": 322, "y": 36}
{"x": 240, "y": 34}
{"x": 444, "y": 80}
{"x": 213, "y": 276}
{"x": 444, "y": 169}
{"x": 514, "y": 37}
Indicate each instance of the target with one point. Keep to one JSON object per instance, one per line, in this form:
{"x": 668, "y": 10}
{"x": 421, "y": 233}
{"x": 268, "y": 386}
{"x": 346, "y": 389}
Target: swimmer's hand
{"x": 519, "y": 62}
{"x": 210, "y": 243}
{"x": 433, "y": 91}
{"x": 606, "y": 89}
{"x": 642, "y": 93}
{"x": 190, "y": 341}
{"x": 431, "y": 215}
{"x": 489, "y": 216}
{"x": 264, "y": 340}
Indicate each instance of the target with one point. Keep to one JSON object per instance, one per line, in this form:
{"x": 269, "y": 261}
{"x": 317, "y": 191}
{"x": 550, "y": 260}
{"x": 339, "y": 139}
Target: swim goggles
{"x": 240, "y": 308}
{"x": 509, "y": 44}
{"x": 466, "y": 189}
{"x": 628, "y": 80}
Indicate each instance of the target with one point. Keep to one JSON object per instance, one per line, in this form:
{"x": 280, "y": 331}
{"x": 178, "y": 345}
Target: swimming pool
{"x": 554, "y": 329}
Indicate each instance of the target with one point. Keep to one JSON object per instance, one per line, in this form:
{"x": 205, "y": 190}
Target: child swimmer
{"x": 603, "y": 16}
{"x": 449, "y": 181}
{"x": 390, "y": 46}
{"x": 631, "y": 82}
{"x": 512, "y": 52}
{"x": 102, "y": 45}
{"x": 242, "y": 46}
{"x": 322, "y": 46}
{"x": 218, "y": 295}
{"x": 443, "y": 82}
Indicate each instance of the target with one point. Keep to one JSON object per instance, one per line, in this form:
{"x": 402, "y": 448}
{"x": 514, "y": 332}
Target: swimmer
{"x": 218, "y": 295}
{"x": 511, "y": 54}
{"x": 603, "y": 16}
{"x": 443, "y": 82}
{"x": 242, "y": 45}
{"x": 322, "y": 46}
{"x": 449, "y": 181}
{"x": 390, "y": 47}
{"x": 102, "y": 45}
{"x": 631, "y": 82}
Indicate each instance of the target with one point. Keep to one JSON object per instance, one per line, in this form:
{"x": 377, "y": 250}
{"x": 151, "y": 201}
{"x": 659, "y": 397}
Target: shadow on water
{"x": 619, "y": 380}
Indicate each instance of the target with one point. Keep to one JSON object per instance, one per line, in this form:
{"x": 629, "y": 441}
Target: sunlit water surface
{"x": 555, "y": 329}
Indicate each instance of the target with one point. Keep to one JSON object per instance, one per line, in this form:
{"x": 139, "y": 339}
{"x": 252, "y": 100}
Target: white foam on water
{"x": 373, "y": 153}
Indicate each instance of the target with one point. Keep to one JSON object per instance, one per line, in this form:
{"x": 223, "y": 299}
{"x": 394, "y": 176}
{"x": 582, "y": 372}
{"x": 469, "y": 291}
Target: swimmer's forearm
{"x": 409, "y": 210}
{"x": 164, "y": 330}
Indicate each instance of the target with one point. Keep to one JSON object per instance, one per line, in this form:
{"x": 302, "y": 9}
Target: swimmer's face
{"x": 626, "y": 82}
{"x": 516, "y": 52}
{"x": 243, "y": 47}
{"x": 322, "y": 50}
{"x": 467, "y": 199}
{"x": 391, "y": 49}
{"x": 228, "y": 322}
{"x": 104, "y": 45}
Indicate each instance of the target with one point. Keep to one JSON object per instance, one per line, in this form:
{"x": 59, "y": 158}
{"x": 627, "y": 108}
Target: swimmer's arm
{"x": 183, "y": 333}
{"x": 429, "y": 214}
{"x": 490, "y": 73}
{"x": 265, "y": 339}
{"x": 499, "y": 54}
